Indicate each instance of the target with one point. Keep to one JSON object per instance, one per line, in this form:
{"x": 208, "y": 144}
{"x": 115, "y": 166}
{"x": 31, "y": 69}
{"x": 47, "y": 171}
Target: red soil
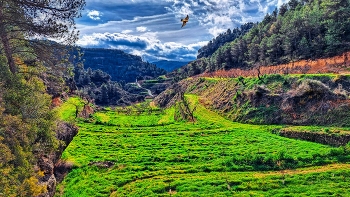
{"x": 336, "y": 64}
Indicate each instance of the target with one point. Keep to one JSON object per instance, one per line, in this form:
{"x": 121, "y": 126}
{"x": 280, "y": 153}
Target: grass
{"x": 154, "y": 155}
{"x": 67, "y": 110}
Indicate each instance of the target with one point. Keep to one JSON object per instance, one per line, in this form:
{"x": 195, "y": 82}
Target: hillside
{"x": 297, "y": 31}
{"x": 98, "y": 87}
{"x": 321, "y": 99}
{"x": 169, "y": 65}
{"x": 119, "y": 65}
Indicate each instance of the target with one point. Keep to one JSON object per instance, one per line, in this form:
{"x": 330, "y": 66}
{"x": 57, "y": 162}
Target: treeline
{"x": 223, "y": 38}
{"x": 300, "y": 29}
{"x": 119, "y": 65}
{"x": 98, "y": 87}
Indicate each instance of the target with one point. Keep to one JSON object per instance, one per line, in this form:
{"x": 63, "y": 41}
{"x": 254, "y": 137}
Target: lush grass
{"x": 156, "y": 156}
{"x": 67, "y": 110}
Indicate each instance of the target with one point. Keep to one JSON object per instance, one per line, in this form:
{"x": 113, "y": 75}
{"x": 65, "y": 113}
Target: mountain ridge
{"x": 169, "y": 65}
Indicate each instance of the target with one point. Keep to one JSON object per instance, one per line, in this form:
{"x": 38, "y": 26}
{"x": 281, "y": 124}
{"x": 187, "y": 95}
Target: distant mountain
{"x": 119, "y": 65}
{"x": 169, "y": 65}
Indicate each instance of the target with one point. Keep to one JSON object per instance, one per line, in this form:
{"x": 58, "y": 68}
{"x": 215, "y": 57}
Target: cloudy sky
{"x": 152, "y": 28}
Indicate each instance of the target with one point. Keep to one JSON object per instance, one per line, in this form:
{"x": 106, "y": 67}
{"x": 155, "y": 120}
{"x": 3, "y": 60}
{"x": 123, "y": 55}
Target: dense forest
{"x": 223, "y": 38}
{"x": 119, "y": 65}
{"x": 97, "y": 86}
{"x": 300, "y": 29}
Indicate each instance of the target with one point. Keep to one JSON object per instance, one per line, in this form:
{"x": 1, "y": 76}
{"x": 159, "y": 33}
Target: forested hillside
{"x": 119, "y": 65}
{"x": 221, "y": 39}
{"x": 31, "y": 135}
{"x": 297, "y": 30}
{"x": 97, "y": 86}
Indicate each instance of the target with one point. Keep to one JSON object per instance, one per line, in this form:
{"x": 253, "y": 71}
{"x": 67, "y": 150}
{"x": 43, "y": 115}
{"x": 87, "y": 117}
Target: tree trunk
{"x": 6, "y": 43}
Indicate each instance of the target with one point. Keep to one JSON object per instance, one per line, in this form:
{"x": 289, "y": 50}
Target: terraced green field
{"x": 153, "y": 155}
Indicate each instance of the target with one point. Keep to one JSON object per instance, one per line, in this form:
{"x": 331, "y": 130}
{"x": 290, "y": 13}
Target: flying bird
{"x": 184, "y": 21}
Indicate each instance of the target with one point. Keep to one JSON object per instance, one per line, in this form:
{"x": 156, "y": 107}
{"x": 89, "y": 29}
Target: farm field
{"x": 153, "y": 155}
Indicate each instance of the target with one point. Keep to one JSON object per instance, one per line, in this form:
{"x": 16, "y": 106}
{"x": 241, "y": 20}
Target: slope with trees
{"x": 221, "y": 39}
{"x": 27, "y": 121}
{"x": 98, "y": 87}
{"x": 122, "y": 67}
{"x": 298, "y": 30}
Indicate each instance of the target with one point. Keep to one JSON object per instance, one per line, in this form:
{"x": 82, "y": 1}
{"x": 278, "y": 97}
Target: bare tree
{"x": 184, "y": 109}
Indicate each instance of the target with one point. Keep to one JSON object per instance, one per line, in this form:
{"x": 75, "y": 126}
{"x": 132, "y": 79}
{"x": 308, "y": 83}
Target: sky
{"x": 152, "y": 28}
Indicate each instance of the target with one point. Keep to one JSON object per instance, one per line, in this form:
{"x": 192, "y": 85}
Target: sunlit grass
{"x": 67, "y": 110}
{"x": 154, "y": 155}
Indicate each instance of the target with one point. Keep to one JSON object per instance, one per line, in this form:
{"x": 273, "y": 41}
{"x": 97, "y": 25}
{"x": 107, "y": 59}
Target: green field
{"x": 154, "y": 155}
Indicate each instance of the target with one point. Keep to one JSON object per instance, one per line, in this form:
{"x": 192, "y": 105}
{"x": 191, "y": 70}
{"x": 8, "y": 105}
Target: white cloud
{"x": 219, "y": 15}
{"x": 127, "y": 31}
{"x": 159, "y": 32}
{"x": 94, "y": 15}
{"x": 216, "y": 30}
{"x": 147, "y": 45}
{"x": 280, "y": 2}
{"x": 141, "y": 29}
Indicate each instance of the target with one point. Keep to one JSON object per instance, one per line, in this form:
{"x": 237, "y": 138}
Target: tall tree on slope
{"x": 22, "y": 21}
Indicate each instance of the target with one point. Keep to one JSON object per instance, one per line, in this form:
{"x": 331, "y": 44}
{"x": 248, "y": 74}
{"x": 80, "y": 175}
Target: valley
{"x": 259, "y": 110}
{"x": 141, "y": 150}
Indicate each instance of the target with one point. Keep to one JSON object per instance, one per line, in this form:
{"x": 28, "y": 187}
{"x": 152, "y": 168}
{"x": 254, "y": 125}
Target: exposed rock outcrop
{"x": 49, "y": 164}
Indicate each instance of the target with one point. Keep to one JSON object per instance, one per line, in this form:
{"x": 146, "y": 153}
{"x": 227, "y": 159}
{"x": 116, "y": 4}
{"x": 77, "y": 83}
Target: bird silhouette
{"x": 184, "y": 21}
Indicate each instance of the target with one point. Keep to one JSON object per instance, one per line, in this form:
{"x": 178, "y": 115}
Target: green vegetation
{"x": 154, "y": 155}
{"x": 317, "y": 99}
{"x": 30, "y": 70}
{"x": 26, "y": 131}
{"x": 67, "y": 111}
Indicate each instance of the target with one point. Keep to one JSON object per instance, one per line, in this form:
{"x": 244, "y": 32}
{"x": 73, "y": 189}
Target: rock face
{"x": 46, "y": 165}
{"x": 49, "y": 164}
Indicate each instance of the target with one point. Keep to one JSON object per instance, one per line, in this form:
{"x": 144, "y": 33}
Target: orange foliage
{"x": 56, "y": 102}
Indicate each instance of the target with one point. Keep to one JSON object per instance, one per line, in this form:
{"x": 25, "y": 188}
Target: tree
{"x": 283, "y": 9}
{"x": 20, "y": 23}
{"x": 27, "y": 121}
{"x": 104, "y": 94}
{"x": 303, "y": 49}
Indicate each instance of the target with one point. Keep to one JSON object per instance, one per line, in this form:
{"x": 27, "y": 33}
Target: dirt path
{"x": 148, "y": 91}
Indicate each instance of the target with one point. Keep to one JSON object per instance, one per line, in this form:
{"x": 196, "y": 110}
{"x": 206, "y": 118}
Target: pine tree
{"x": 19, "y": 23}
